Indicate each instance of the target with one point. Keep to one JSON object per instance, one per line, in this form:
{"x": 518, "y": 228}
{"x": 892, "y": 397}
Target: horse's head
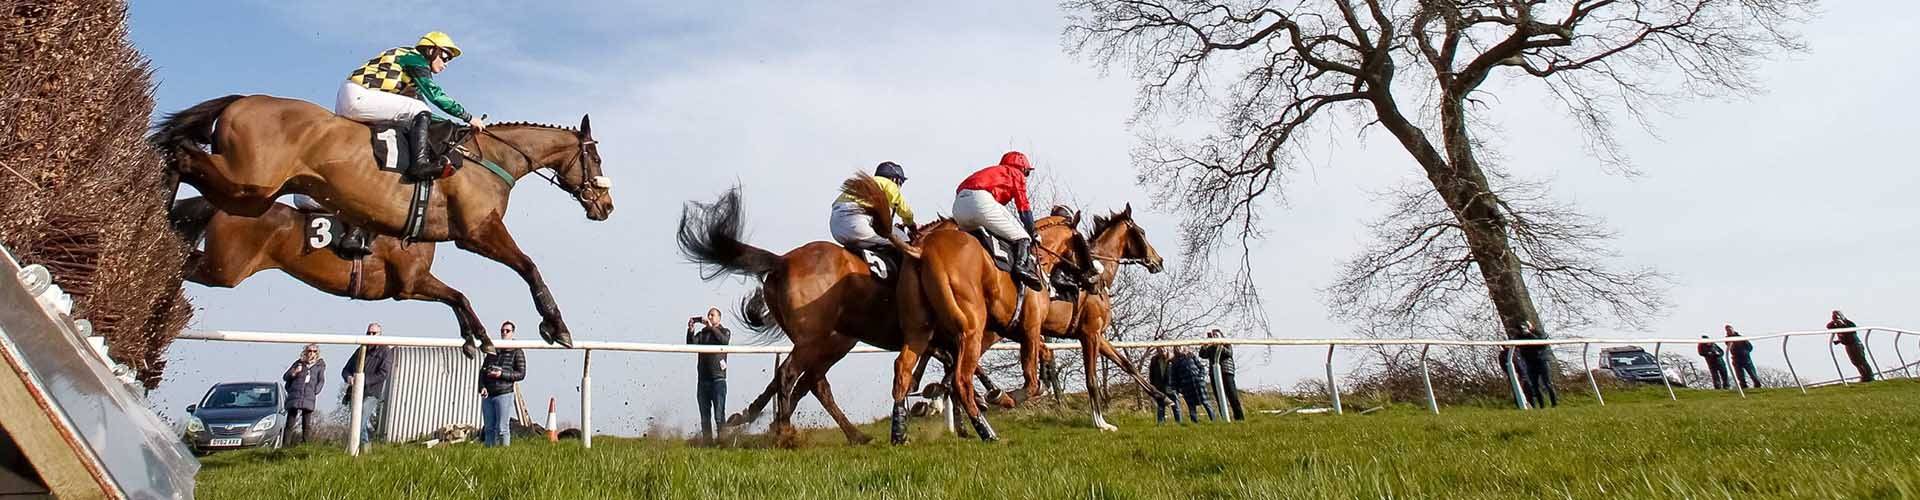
{"x": 1117, "y": 237}
{"x": 586, "y": 182}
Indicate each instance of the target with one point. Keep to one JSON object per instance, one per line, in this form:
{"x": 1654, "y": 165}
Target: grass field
{"x": 1842, "y": 442}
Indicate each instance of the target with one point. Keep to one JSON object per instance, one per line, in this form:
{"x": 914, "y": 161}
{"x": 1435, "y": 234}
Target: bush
{"x": 81, "y": 192}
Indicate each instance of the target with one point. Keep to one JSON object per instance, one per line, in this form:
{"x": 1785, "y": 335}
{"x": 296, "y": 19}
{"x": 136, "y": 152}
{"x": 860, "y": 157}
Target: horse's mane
{"x": 1102, "y": 222}
{"x": 534, "y": 125}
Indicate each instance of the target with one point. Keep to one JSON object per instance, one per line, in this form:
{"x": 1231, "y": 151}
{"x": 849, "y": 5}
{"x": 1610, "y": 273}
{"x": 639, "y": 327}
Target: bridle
{"x": 580, "y": 192}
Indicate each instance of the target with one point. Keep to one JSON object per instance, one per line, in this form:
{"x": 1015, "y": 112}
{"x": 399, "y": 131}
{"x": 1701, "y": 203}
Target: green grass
{"x": 1851, "y": 442}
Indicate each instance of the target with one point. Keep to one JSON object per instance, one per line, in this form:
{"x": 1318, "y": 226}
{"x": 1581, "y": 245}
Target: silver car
{"x": 236, "y": 415}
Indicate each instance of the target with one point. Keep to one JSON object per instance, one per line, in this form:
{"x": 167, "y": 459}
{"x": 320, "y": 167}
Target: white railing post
{"x": 1333, "y": 387}
{"x": 355, "y": 394}
{"x": 1513, "y": 376}
{"x": 1901, "y": 355}
{"x": 586, "y": 398}
{"x": 1784, "y": 353}
{"x": 1584, "y": 348}
{"x": 1426, "y": 379}
{"x": 1219, "y": 384}
{"x": 1836, "y": 360}
{"x": 1657, "y": 346}
{"x": 1866, "y": 344}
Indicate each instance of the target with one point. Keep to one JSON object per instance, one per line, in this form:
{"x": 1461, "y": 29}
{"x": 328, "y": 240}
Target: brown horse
{"x": 263, "y": 146}
{"x": 238, "y": 247}
{"x": 1116, "y": 240}
{"x": 823, "y": 297}
{"x": 951, "y": 294}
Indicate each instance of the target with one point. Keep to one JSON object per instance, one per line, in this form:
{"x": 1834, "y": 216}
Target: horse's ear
{"x": 1127, "y": 213}
{"x": 586, "y": 126}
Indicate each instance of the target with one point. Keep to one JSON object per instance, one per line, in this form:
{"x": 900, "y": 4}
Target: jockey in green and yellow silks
{"x": 398, "y": 85}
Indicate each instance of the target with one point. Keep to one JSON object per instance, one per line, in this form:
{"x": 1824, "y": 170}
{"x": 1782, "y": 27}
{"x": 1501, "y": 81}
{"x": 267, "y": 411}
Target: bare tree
{"x": 1411, "y": 67}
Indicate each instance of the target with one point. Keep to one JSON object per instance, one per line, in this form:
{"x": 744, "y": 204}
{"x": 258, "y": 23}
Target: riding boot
{"x": 1024, "y": 269}
{"x": 423, "y": 168}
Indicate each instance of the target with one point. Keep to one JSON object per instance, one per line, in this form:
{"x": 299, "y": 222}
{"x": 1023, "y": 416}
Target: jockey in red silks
{"x": 981, "y": 202}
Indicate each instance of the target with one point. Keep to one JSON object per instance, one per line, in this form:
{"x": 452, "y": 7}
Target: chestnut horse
{"x": 822, "y": 296}
{"x": 262, "y": 147}
{"x": 237, "y": 247}
{"x": 1116, "y": 240}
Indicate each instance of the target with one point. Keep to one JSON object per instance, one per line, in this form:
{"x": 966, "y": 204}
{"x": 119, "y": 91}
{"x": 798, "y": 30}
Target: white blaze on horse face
{"x": 603, "y": 182}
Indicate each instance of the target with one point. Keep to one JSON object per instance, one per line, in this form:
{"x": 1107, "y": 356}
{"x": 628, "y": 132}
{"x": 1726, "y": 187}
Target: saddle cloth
{"x": 393, "y": 151}
{"x": 325, "y": 230}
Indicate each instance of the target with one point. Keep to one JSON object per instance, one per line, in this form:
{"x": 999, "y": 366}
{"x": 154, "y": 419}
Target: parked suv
{"x": 1631, "y": 363}
{"x": 236, "y": 415}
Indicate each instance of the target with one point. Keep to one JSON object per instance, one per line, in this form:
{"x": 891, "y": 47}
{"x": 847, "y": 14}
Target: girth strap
{"x": 417, "y": 210}
{"x": 353, "y": 278}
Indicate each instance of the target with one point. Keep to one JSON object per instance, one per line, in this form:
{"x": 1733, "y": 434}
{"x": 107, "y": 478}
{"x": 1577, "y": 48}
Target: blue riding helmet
{"x": 891, "y": 170}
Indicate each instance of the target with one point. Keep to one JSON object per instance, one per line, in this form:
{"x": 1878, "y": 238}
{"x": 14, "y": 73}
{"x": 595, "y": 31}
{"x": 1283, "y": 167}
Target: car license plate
{"x": 225, "y": 442}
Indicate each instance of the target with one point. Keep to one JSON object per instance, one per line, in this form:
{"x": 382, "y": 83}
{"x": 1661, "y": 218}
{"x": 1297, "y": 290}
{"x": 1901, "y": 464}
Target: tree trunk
{"x": 1463, "y": 185}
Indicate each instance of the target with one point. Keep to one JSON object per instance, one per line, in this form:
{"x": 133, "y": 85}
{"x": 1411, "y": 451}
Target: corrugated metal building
{"x": 430, "y": 387}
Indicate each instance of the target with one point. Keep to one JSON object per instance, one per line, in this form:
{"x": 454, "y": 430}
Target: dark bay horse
{"x": 237, "y": 247}
{"x": 261, "y": 147}
{"x": 1116, "y": 240}
{"x": 822, "y": 296}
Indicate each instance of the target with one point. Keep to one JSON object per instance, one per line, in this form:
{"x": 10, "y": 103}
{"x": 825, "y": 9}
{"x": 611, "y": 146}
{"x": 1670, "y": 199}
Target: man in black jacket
{"x": 710, "y": 389}
{"x": 1716, "y": 363}
{"x": 1190, "y": 377}
{"x": 498, "y": 373}
{"x": 1160, "y": 373}
{"x": 375, "y": 386}
{"x": 304, "y": 380}
{"x": 1743, "y": 361}
{"x": 1222, "y": 358}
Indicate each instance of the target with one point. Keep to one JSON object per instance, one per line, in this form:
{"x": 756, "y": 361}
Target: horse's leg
{"x": 494, "y": 242}
{"x": 968, "y": 359}
{"x": 1096, "y": 395}
{"x": 1106, "y": 349}
{"x": 759, "y": 404}
{"x": 426, "y": 286}
{"x": 824, "y": 392}
{"x": 1031, "y": 325}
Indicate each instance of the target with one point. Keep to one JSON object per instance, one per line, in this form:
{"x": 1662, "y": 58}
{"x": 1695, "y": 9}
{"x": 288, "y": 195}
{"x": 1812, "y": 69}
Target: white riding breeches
{"x": 853, "y": 228}
{"x": 367, "y": 105}
{"x": 974, "y": 209}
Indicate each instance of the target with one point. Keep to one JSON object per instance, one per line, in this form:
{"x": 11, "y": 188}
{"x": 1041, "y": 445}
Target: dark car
{"x": 236, "y": 415}
{"x": 1631, "y": 364}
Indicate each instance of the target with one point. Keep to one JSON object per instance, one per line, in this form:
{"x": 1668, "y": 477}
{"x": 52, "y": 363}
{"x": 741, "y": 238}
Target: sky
{"x": 1768, "y": 210}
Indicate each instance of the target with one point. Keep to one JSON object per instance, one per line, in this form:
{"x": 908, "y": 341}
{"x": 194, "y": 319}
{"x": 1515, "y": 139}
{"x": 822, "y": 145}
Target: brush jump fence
{"x": 587, "y": 347}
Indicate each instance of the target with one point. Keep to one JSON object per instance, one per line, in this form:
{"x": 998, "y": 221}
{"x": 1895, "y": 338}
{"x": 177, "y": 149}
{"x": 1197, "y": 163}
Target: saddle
{"x": 996, "y": 248}
{"x": 881, "y": 263}
{"x": 393, "y": 151}
{"x": 1061, "y": 283}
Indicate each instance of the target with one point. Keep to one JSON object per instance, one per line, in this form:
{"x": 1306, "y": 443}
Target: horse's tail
{"x": 710, "y": 236}
{"x": 759, "y": 318}
{"x": 189, "y": 218}
{"x": 873, "y": 199}
{"x": 189, "y": 128}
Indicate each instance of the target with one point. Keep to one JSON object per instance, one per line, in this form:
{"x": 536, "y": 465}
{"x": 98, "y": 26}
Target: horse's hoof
{"x": 555, "y": 335}
{"x": 469, "y": 351}
{"x": 1106, "y": 427}
{"x": 1006, "y": 402}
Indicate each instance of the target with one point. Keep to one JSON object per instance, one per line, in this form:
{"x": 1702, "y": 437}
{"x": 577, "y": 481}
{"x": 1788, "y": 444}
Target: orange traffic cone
{"x": 553, "y": 436}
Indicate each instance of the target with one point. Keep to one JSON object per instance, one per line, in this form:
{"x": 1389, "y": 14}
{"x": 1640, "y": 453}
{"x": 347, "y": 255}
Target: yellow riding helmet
{"x": 441, "y": 40}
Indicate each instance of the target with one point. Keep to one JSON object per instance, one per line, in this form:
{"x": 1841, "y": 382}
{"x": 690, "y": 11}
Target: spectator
{"x": 1716, "y": 363}
{"x": 1851, "y": 340}
{"x": 1536, "y": 374}
{"x": 1222, "y": 358}
{"x": 378, "y": 366}
{"x": 304, "y": 380}
{"x": 1743, "y": 361}
{"x": 498, "y": 374}
{"x": 1191, "y": 380}
{"x": 710, "y": 390}
{"x": 1160, "y": 373}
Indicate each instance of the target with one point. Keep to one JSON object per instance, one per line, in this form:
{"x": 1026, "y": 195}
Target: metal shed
{"x": 430, "y": 387}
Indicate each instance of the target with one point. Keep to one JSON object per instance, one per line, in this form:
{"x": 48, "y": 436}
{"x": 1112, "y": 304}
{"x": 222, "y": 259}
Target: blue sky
{"x": 1769, "y": 211}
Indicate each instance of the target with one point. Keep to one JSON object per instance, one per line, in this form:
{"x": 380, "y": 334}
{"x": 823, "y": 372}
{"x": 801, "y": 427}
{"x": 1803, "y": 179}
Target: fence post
{"x": 1219, "y": 385}
{"x": 586, "y": 399}
{"x": 1427, "y": 379}
{"x": 354, "y": 419}
{"x": 1866, "y": 344}
{"x": 1789, "y": 358}
{"x": 1513, "y": 376}
{"x": 1333, "y": 388}
{"x": 1836, "y": 360}
{"x": 1584, "y": 348}
{"x": 1902, "y": 356}
{"x": 1664, "y": 380}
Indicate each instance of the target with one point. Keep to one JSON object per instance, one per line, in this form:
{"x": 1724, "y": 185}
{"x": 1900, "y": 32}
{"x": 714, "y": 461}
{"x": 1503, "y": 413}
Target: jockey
{"x": 851, "y": 226}
{"x": 981, "y": 203}
{"x": 392, "y": 87}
